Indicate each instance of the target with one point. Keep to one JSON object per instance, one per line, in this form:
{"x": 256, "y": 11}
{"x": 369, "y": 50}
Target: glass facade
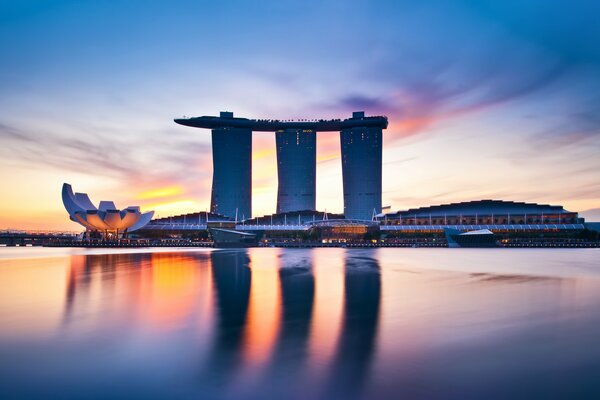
{"x": 296, "y": 169}
{"x": 361, "y": 170}
{"x": 232, "y": 172}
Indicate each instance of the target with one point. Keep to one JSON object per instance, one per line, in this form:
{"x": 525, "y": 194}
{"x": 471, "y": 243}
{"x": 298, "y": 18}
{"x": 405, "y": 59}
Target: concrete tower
{"x": 296, "y": 169}
{"x": 361, "y": 169}
{"x": 232, "y": 171}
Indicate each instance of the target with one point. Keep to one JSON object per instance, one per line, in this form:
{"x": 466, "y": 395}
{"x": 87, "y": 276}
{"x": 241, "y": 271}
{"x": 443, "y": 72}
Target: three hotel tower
{"x": 296, "y": 141}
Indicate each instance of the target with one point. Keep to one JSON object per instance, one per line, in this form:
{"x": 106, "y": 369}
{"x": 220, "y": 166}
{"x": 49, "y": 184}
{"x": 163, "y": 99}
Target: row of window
{"x": 479, "y": 221}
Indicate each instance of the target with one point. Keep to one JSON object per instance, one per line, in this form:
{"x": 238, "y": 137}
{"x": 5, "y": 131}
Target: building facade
{"x": 483, "y": 212}
{"x": 231, "y": 193}
{"x": 361, "y": 171}
{"x": 296, "y": 169}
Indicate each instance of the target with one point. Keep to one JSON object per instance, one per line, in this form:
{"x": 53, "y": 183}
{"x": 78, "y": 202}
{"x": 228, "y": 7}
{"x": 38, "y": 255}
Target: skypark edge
{"x": 226, "y": 119}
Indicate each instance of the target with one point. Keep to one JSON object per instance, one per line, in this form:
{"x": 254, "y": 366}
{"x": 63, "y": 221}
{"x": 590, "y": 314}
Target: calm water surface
{"x": 300, "y": 324}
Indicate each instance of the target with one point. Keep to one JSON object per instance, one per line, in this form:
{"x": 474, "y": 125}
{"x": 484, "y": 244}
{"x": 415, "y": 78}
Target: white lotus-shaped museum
{"x": 105, "y": 218}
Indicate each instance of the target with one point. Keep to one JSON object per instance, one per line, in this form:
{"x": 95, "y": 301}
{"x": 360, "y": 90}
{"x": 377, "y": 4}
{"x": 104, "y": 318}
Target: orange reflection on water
{"x": 264, "y": 308}
{"x": 31, "y": 296}
{"x": 158, "y": 289}
{"x": 328, "y": 269}
{"x": 173, "y": 287}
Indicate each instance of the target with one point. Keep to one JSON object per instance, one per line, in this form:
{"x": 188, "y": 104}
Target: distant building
{"x": 483, "y": 212}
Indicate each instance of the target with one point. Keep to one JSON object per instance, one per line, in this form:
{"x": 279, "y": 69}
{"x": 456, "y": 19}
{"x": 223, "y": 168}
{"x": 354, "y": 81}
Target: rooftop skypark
{"x": 226, "y": 119}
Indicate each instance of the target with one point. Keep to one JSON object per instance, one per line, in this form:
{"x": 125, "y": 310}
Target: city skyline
{"x": 499, "y": 103}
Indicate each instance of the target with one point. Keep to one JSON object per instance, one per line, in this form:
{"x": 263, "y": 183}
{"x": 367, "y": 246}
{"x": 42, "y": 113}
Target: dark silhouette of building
{"x": 358, "y": 338}
{"x": 290, "y": 355}
{"x": 232, "y": 279}
{"x": 296, "y": 170}
{"x": 232, "y": 170}
{"x": 361, "y": 169}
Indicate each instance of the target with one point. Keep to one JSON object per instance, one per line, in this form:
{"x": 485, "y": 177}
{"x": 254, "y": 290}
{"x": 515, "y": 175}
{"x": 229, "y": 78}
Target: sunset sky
{"x": 486, "y": 99}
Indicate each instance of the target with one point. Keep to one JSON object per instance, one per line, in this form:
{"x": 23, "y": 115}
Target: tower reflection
{"x": 288, "y": 372}
{"x": 253, "y": 321}
{"x": 357, "y": 342}
{"x": 297, "y": 284}
{"x": 231, "y": 279}
{"x": 290, "y": 353}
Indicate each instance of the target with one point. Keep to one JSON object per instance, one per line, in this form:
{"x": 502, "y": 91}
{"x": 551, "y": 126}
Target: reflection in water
{"x": 296, "y": 324}
{"x": 297, "y": 292}
{"x": 77, "y": 269}
{"x": 328, "y": 309}
{"x": 482, "y": 277}
{"x": 100, "y": 270}
{"x": 262, "y": 323}
{"x": 361, "y": 314}
{"x": 285, "y": 374}
{"x": 232, "y": 280}
{"x": 162, "y": 289}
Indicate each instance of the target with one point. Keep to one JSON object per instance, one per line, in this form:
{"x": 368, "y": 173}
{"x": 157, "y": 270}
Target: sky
{"x": 485, "y": 99}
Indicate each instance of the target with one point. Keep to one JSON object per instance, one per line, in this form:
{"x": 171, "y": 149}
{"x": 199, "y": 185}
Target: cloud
{"x": 415, "y": 103}
{"x": 469, "y": 65}
{"x": 361, "y": 102}
{"x": 44, "y": 149}
{"x": 592, "y": 215}
{"x": 109, "y": 155}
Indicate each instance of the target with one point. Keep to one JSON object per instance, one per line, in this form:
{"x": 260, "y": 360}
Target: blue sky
{"x": 494, "y": 99}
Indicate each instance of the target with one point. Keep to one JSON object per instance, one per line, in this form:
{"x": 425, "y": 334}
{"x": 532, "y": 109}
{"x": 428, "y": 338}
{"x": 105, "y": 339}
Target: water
{"x": 300, "y": 324}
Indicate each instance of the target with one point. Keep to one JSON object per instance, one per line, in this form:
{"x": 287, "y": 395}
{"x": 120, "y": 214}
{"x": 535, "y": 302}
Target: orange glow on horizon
{"x": 327, "y": 157}
{"x": 173, "y": 190}
{"x": 263, "y": 153}
{"x": 174, "y": 207}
